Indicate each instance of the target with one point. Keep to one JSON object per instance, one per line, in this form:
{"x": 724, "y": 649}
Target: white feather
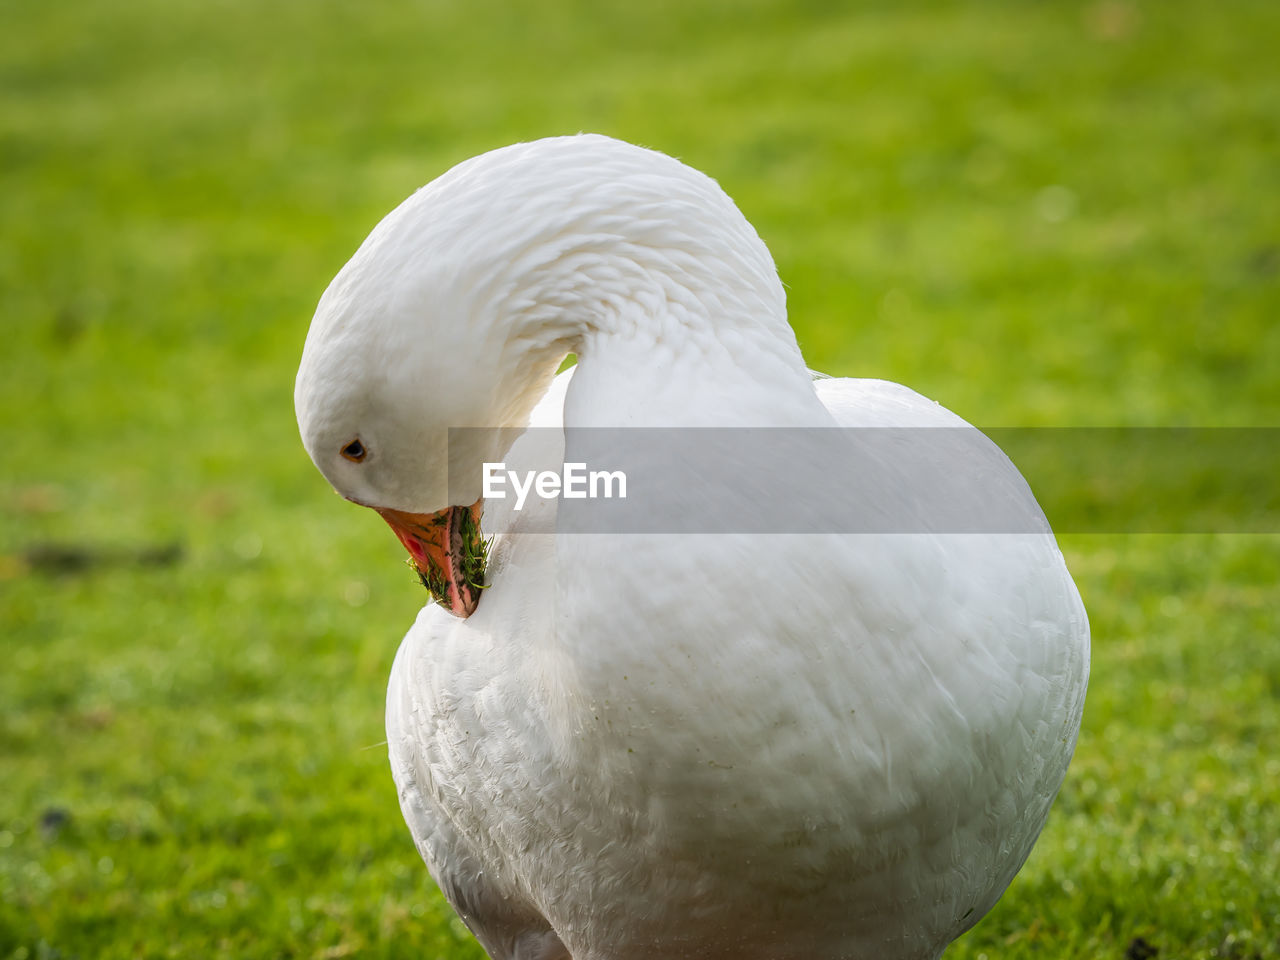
{"x": 820, "y": 746}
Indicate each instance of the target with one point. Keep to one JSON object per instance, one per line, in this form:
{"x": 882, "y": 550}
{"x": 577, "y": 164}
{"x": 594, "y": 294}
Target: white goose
{"x": 650, "y": 745}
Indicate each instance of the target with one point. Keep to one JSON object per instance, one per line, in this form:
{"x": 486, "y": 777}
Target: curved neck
{"x": 467, "y": 296}
{"x": 671, "y": 335}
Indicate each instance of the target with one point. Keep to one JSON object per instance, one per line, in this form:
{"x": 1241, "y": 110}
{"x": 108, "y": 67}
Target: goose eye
{"x": 354, "y": 451}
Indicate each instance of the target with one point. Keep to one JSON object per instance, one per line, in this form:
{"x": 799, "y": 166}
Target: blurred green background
{"x": 1037, "y": 213}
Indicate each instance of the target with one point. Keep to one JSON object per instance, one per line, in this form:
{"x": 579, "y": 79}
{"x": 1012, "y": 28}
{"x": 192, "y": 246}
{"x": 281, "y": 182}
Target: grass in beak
{"x": 475, "y": 552}
{"x": 473, "y": 560}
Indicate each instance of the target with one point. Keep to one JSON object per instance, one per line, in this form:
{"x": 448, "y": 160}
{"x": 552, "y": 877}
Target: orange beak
{"x": 447, "y": 551}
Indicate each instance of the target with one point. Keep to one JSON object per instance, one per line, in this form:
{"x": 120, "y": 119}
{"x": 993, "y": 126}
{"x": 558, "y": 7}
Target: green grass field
{"x": 1037, "y": 213}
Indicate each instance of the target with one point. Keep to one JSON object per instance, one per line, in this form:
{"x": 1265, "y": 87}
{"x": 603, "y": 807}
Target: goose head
{"x": 458, "y": 308}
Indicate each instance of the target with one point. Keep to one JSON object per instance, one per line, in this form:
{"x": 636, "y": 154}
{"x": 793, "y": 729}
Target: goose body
{"x": 785, "y": 745}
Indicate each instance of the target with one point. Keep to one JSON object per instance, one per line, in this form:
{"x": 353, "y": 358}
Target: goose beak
{"x": 447, "y": 551}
